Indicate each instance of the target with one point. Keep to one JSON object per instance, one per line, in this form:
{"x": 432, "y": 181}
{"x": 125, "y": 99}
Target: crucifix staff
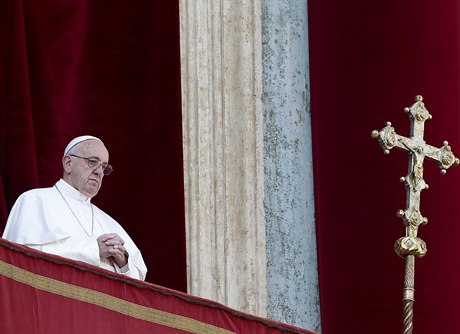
{"x": 411, "y": 245}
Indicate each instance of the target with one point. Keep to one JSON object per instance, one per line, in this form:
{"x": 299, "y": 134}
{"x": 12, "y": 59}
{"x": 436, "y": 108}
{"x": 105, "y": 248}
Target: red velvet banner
{"x": 112, "y": 70}
{"x": 40, "y": 294}
{"x": 368, "y": 61}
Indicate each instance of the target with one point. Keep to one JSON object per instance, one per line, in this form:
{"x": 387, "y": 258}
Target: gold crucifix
{"x": 410, "y": 245}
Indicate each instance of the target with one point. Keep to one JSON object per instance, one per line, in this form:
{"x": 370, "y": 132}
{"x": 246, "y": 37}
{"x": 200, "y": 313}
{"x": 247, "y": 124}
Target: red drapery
{"x": 369, "y": 59}
{"x": 110, "y": 69}
{"x": 41, "y": 293}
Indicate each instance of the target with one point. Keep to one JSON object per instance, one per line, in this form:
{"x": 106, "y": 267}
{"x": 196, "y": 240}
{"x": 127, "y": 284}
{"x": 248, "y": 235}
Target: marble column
{"x": 292, "y": 275}
{"x": 223, "y": 152}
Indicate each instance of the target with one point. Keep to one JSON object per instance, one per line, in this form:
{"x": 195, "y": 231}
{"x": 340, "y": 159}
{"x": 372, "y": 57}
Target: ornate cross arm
{"x": 418, "y": 114}
{"x": 389, "y": 139}
{"x": 410, "y": 245}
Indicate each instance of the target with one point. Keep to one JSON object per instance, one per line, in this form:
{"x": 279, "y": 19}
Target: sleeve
{"x": 78, "y": 248}
{"x": 134, "y": 268}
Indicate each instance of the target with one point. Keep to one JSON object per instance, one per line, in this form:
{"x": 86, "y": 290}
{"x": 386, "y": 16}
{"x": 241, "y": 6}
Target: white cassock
{"x": 68, "y": 225}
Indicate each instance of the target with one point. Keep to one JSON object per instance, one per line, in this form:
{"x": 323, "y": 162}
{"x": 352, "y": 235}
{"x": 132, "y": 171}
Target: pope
{"x": 61, "y": 220}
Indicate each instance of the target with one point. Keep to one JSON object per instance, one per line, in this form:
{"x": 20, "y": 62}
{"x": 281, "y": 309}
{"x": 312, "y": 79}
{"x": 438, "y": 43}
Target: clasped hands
{"x": 112, "y": 246}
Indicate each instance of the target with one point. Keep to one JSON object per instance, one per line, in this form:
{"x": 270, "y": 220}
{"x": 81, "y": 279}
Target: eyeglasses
{"x": 95, "y": 163}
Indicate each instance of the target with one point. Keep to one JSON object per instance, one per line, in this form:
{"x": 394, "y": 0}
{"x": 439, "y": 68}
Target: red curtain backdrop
{"x": 369, "y": 59}
{"x": 110, "y": 69}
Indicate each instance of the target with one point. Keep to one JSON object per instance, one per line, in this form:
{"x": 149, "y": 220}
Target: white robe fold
{"x": 43, "y": 220}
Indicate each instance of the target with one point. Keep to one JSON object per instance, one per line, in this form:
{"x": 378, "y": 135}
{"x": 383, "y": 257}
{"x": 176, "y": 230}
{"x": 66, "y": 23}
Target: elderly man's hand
{"x": 112, "y": 246}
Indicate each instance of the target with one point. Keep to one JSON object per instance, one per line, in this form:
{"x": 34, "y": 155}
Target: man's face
{"x": 79, "y": 174}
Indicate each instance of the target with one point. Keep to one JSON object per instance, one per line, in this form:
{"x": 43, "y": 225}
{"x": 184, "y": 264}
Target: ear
{"x": 67, "y": 164}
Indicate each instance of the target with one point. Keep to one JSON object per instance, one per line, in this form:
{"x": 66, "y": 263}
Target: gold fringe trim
{"x": 109, "y": 302}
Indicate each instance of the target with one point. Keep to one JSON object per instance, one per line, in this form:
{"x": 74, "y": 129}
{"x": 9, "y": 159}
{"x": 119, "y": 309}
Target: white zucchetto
{"x": 78, "y": 140}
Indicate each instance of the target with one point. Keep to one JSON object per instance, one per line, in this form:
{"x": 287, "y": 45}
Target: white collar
{"x": 71, "y": 192}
